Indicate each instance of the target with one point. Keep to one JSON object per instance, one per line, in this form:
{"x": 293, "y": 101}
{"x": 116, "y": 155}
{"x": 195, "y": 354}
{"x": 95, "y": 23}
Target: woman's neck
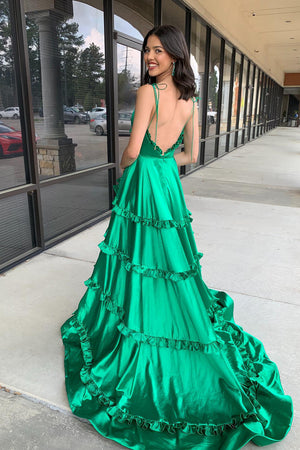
{"x": 165, "y": 78}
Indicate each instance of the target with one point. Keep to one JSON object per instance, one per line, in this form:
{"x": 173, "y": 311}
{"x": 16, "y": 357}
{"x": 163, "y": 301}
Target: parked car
{"x": 211, "y": 117}
{"x": 95, "y": 111}
{"x": 99, "y": 123}
{"x": 10, "y": 142}
{"x": 73, "y": 115}
{"x": 13, "y": 112}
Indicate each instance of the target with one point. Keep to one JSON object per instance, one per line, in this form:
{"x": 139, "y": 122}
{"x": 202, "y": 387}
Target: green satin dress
{"x": 153, "y": 357}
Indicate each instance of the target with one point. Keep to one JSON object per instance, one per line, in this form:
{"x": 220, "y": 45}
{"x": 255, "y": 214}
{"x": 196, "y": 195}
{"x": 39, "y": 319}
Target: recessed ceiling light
{"x": 288, "y": 21}
{"x": 292, "y": 38}
{"x": 256, "y": 51}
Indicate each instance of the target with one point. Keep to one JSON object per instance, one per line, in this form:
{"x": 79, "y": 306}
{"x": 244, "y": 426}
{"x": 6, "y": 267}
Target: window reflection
{"x": 236, "y": 86}
{"x": 66, "y": 55}
{"x": 15, "y": 227}
{"x": 68, "y": 203}
{"x": 11, "y": 143}
{"x": 235, "y": 97}
{"x": 133, "y": 23}
{"x": 197, "y": 60}
{"x": 225, "y": 98}
{"x": 213, "y": 94}
{"x": 249, "y": 104}
{"x": 134, "y": 19}
{"x": 129, "y": 80}
{"x": 259, "y": 103}
{"x": 242, "y": 102}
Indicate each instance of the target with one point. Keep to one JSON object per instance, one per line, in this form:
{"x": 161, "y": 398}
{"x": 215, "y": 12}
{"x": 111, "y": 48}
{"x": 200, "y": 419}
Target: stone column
{"x": 51, "y": 77}
{"x": 56, "y": 152}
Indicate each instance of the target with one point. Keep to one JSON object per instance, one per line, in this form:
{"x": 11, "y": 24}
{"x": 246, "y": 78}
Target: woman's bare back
{"x": 173, "y": 114}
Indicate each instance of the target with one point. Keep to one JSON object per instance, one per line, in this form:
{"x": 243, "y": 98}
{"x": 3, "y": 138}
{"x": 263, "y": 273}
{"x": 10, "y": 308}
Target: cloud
{"x": 96, "y": 38}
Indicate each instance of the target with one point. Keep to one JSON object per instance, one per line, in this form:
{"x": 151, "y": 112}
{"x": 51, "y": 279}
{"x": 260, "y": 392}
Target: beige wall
{"x": 226, "y": 17}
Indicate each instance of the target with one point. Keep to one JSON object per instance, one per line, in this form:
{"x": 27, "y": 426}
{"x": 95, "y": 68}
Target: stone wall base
{"x": 56, "y": 156}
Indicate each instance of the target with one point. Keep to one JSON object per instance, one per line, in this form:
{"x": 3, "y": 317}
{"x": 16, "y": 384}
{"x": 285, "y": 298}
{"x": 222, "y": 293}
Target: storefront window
{"x": 243, "y": 105}
{"x": 236, "y": 87}
{"x": 235, "y": 97}
{"x": 249, "y": 103}
{"x": 254, "y": 97}
{"x": 12, "y": 172}
{"x": 213, "y": 95}
{"x": 259, "y": 113}
{"x": 67, "y": 57}
{"x": 68, "y": 203}
{"x": 255, "y": 109}
{"x": 225, "y": 98}
{"x": 132, "y": 23}
{"x": 15, "y": 227}
{"x": 197, "y": 60}
{"x": 129, "y": 80}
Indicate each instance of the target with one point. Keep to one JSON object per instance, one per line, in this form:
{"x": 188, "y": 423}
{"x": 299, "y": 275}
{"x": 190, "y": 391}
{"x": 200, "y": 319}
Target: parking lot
{"x": 91, "y": 150}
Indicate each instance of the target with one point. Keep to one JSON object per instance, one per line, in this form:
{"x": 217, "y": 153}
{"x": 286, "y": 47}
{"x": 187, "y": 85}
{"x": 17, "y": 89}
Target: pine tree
{"x": 90, "y": 75}
{"x": 69, "y": 43}
{"x": 8, "y": 94}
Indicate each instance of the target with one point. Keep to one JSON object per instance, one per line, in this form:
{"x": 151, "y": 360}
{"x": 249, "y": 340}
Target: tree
{"x": 82, "y": 73}
{"x": 90, "y": 75}
{"x": 32, "y": 31}
{"x": 8, "y": 95}
{"x": 69, "y": 43}
{"x": 213, "y": 87}
{"x": 126, "y": 89}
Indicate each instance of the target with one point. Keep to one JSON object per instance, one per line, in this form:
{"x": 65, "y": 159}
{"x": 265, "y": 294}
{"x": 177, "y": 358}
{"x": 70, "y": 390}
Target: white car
{"x": 12, "y": 112}
{"x": 95, "y": 111}
{"x": 212, "y": 117}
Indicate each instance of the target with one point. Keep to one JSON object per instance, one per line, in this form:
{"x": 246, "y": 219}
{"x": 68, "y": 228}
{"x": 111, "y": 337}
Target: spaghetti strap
{"x": 156, "y": 94}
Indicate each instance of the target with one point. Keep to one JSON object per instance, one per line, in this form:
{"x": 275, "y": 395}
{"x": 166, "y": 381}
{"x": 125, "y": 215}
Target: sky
{"x": 91, "y": 26}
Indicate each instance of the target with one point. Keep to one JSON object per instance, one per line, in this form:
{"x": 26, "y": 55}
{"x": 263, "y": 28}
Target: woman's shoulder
{"x": 145, "y": 90}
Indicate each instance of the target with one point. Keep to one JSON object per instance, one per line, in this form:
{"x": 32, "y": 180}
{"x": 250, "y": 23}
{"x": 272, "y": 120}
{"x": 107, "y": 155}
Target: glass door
{"x": 130, "y": 70}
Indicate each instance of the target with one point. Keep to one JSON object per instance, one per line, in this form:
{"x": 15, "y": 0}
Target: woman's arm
{"x": 191, "y": 140}
{"x": 143, "y": 110}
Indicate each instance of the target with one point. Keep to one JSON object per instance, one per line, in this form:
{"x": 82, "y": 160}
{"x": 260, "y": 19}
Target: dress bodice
{"x": 151, "y": 149}
{"x": 149, "y": 146}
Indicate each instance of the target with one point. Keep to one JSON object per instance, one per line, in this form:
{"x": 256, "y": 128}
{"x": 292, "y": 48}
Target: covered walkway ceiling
{"x": 268, "y": 31}
{"x": 277, "y": 25}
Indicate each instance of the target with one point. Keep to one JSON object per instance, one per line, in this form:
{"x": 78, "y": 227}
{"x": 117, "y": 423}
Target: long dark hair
{"x": 174, "y": 43}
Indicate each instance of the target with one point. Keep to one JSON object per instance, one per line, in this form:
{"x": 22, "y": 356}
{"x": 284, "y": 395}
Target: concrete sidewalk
{"x": 246, "y": 211}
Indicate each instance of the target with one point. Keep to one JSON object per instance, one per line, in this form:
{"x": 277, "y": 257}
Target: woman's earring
{"x": 173, "y": 71}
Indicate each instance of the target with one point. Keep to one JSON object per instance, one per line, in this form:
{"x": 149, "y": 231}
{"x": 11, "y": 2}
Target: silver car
{"x": 99, "y": 123}
{"x": 95, "y": 112}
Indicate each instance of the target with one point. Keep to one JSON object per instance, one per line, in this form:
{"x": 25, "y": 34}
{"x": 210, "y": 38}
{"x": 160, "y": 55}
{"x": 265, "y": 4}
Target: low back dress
{"x": 153, "y": 357}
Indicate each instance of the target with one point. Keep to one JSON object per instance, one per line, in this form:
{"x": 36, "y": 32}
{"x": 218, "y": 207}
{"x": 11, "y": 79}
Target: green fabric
{"x": 153, "y": 357}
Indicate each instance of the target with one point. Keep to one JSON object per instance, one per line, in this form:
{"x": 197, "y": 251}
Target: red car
{"x": 10, "y": 142}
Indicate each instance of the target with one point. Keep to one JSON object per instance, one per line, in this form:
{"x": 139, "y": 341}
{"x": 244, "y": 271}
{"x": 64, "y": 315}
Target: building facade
{"x": 69, "y": 75}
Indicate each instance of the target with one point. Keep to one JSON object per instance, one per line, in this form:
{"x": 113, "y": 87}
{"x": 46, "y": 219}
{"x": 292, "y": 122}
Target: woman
{"x": 153, "y": 357}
